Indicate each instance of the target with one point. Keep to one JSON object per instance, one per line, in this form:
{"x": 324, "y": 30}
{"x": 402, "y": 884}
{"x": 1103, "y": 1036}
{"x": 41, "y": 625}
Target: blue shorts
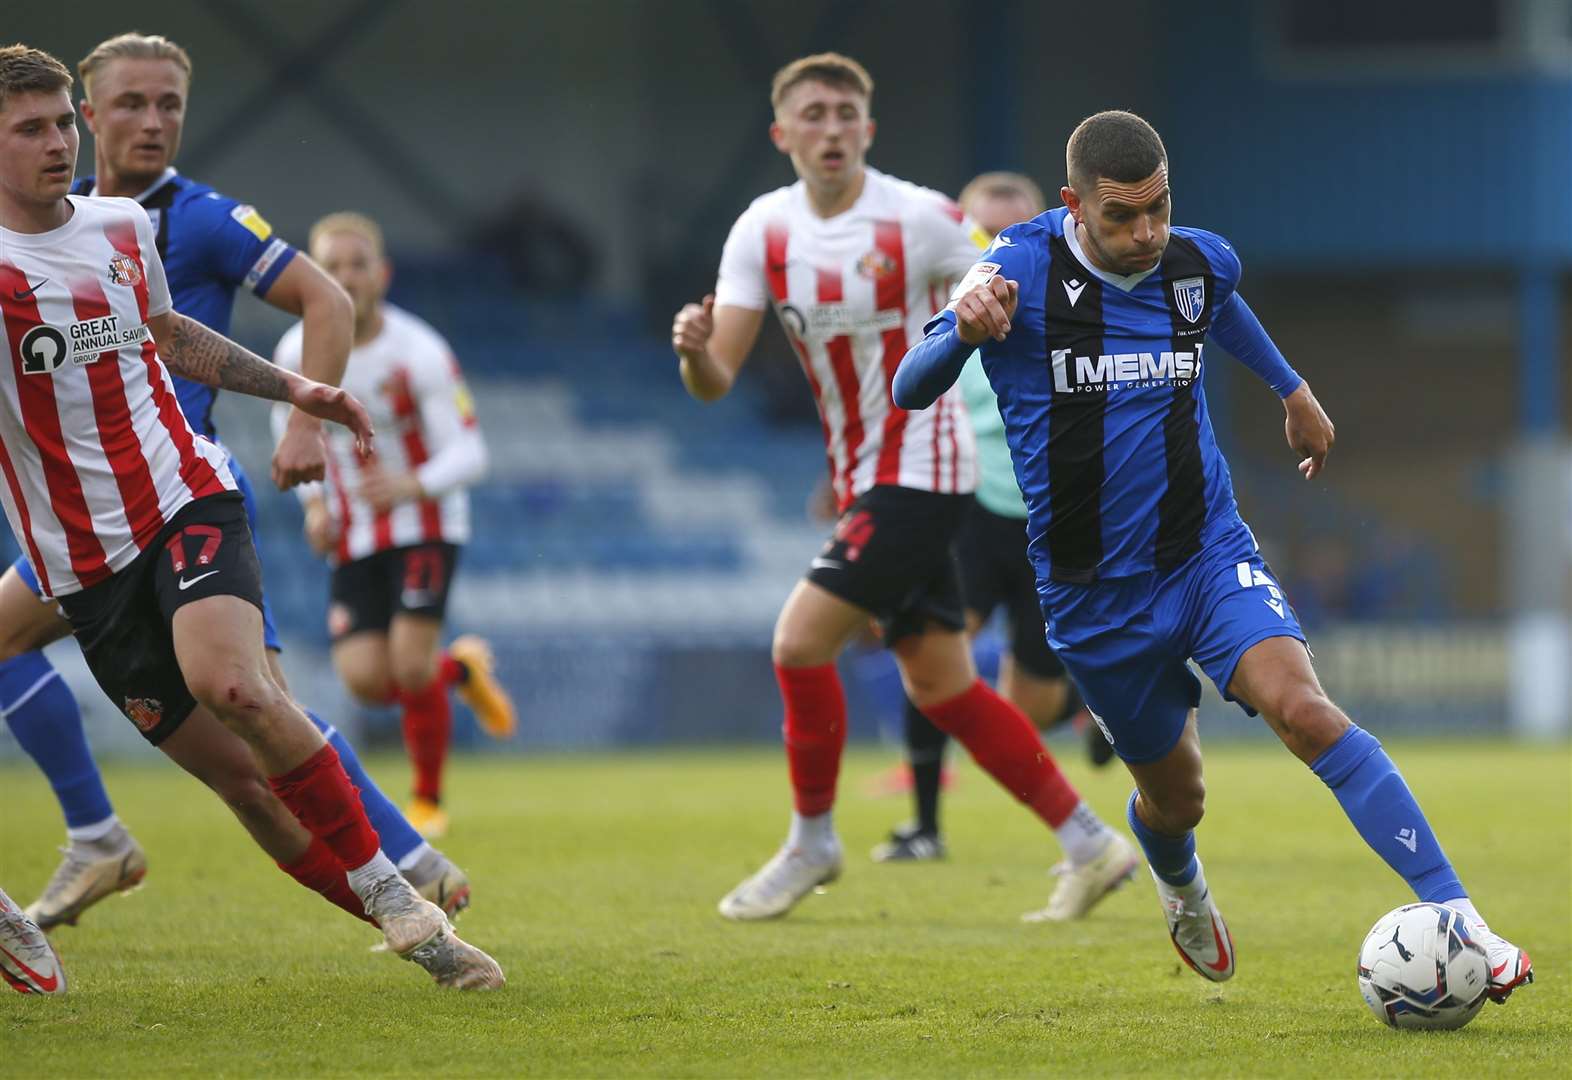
{"x": 269, "y": 631}
{"x": 1126, "y": 641}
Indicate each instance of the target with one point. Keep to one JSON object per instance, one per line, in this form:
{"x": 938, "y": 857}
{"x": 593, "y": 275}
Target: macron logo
{"x": 1074, "y": 289}
{"x": 1408, "y": 838}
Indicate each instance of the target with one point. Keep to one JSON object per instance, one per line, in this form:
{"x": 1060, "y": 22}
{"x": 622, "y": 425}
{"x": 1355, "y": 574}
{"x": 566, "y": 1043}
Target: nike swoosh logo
{"x": 1495, "y": 972}
{"x": 46, "y": 986}
{"x": 1222, "y": 950}
{"x": 184, "y": 584}
{"x": 19, "y": 295}
{"x": 821, "y": 563}
{"x": 1075, "y": 293}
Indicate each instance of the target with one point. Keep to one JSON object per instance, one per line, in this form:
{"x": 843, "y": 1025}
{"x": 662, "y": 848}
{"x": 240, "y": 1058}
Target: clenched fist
{"x": 691, "y": 329}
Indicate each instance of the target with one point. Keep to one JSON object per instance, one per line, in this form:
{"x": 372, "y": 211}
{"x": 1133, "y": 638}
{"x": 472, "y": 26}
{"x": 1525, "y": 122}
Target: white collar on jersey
{"x": 1127, "y": 282}
{"x": 168, "y": 175}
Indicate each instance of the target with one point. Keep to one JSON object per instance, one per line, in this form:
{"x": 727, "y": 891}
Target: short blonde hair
{"x": 132, "y": 46}
{"x": 26, "y": 70}
{"x": 1003, "y": 183}
{"x": 827, "y": 67}
{"x": 348, "y": 221}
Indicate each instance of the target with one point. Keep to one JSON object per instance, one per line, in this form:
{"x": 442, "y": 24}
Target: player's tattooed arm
{"x": 194, "y": 352}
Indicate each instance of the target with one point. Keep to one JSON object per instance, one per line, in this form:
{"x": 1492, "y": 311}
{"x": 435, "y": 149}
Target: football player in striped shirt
{"x": 133, "y": 523}
{"x": 854, "y": 262}
{"x": 1091, "y": 319}
{"x": 211, "y": 245}
{"x": 392, "y": 525}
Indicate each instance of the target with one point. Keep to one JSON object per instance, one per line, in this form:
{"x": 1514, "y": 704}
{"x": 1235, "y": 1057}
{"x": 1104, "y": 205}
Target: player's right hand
{"x": 985, "y": 311}
{"x": 691, "y": 329}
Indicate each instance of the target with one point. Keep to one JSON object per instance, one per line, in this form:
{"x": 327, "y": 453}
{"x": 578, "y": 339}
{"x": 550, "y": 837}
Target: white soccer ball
{"x": 1421, "y": 967}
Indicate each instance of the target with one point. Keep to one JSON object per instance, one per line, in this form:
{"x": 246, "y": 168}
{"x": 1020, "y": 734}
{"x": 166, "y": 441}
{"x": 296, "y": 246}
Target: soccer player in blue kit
{"x": 211, "y": 245}
{"x": 1091, "y": 320}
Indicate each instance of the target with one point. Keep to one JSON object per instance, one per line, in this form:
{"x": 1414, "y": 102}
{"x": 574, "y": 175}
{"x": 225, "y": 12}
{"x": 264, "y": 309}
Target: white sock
{"x": 1083, "y": 835}
{"x": 408, "y": 861}
{"x": 1466, "y": 906}
{"x": 815, "y": 834}
{"x": 86, "y": 834}
{"x": 1191, "y": 892}
{"x": 361, "y": 878}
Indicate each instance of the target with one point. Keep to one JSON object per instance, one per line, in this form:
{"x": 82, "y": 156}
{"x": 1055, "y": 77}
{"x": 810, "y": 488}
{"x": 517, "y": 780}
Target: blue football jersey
{"x": 211, "y": 245}
{"x": 1099, "y": 384}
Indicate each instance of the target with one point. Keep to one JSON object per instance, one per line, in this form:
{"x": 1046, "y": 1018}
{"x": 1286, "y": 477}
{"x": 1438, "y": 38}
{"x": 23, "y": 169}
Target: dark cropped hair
{"x": 1113, "y": 145}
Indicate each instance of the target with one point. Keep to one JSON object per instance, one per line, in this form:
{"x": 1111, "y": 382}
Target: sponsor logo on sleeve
{"x": 253, "y": 222}
{"x": 980, "y": 274}
{"x": 264, "y": 263}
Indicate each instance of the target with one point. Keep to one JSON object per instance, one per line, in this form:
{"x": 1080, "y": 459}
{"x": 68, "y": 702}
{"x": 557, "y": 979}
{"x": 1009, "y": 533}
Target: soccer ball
{"x": 1420, "y": 967}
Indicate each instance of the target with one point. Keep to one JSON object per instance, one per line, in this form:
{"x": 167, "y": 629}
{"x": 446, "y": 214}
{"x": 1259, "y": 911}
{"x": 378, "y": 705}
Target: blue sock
{"x": 399, "y": 838}
{"x": 45, "y": 718}
{"x": 1376, "y": 799}
{"x": 1172, "y": 857}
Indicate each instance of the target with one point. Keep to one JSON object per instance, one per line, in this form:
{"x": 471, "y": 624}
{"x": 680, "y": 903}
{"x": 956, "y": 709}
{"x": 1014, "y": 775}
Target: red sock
{"x": 449, "y": 671}
{"x": 815, "y": 732}
{"x": 318, "y": 870}
{"x": 321, "y": 797}
{"x": 1005, "y": 744}
{"x": 428, "y": 726}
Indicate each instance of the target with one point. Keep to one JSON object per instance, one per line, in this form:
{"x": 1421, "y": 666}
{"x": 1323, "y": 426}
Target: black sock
{"x": 925, "y": 752}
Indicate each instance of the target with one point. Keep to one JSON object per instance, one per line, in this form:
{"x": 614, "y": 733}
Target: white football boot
{"x": 1197, "y": 929}
{"x": 28, "y": 962}
{"x": 90, "y": 871}
{"x": 1081, "y": 887}
{"x": 1510, "y": 966}
{"x": 417, "y": 930}
{"x": 792, "y": 874}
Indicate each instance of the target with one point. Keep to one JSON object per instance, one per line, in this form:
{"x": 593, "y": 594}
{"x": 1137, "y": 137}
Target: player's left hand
{"x": 336, "y": 404}
{"x": 301, "y": 455}
{"x": 1309, "y": 430}
{"x": 385, "y": 490}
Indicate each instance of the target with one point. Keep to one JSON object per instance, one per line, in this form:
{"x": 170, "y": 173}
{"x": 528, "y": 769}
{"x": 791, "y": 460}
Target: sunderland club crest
{"x": 1190, "y": 297}
{"x": 123, "y": 270}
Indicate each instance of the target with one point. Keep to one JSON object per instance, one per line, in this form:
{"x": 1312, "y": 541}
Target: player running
{"x": 1091, "y": 319}
{"x": 136, "y": 90}
{"x": 854, "y": 262}
{"x": 132, "y": 522}
{"x": 995, "y": 569}
{"x": 394, "y": 524}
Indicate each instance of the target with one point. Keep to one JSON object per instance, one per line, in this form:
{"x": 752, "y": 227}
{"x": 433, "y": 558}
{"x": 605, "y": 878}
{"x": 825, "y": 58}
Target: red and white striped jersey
{"x": 852, "y": 292}
{"x": 96, "y": 453}
{"x": 411, "y": 384}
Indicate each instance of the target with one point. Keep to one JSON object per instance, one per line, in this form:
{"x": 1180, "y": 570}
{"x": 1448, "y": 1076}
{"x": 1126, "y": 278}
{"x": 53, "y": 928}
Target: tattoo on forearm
{"x": 204, "y": 356}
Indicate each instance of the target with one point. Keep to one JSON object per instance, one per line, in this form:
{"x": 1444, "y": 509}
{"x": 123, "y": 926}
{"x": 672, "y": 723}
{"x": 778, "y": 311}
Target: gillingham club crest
{"x": 1190, "y": 297}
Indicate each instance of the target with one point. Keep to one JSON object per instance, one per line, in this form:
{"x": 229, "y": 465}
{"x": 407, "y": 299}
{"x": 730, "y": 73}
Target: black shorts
{"x": 124, "y": 623}
{"x": 891, "y": 555}
{"x": 995, "y": 570}
{"x": 368, "y": 592}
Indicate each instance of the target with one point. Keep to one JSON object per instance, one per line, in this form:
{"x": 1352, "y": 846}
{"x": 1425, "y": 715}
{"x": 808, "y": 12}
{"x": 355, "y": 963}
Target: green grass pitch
{"x": 596, "y": 879}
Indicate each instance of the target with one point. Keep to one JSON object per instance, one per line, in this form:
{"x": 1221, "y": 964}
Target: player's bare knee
{"x": 414, "y": 674}
{"x": 791, "y": 649}
{"x": 235, "y": 694}
{"x": 1308, "y": 722}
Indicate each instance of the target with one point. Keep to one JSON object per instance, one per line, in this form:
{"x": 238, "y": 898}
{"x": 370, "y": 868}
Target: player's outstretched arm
{"x": 931, "y": 367}
{"x": 712, "y": 344}
{"x": 1308, "y": 429}
{"x": 328, "y": 332}
{"x": 192, "y": 351}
